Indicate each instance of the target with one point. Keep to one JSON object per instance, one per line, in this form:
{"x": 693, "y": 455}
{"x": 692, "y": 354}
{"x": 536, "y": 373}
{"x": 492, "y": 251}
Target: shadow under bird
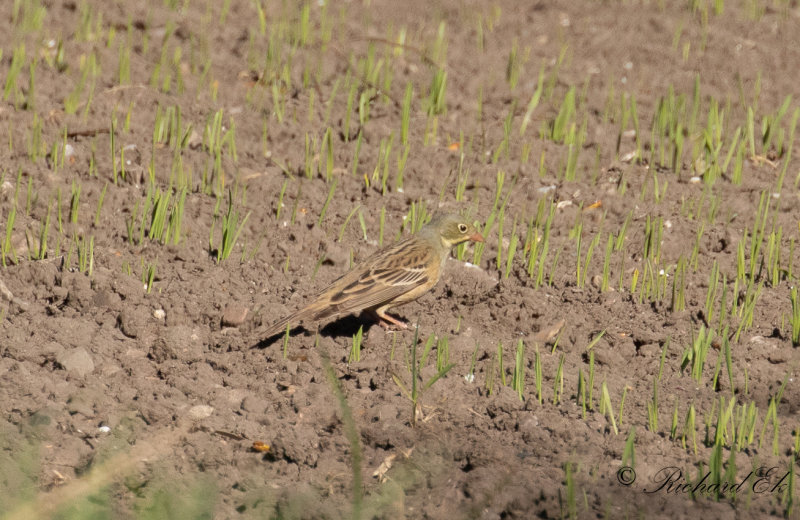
{"x": 398, "y": 274}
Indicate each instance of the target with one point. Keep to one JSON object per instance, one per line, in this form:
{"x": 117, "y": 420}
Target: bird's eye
{"x": 462, "y": 228}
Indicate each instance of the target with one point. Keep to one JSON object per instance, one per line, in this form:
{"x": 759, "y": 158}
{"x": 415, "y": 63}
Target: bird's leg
{"x": 387, "y": 321}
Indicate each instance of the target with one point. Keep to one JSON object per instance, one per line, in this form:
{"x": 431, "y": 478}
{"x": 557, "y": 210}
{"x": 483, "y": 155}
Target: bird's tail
{"x": 280, "y": 325}
{"x": 292, "y": 320}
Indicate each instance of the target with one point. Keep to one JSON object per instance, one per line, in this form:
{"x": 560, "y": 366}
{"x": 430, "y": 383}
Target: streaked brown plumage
{"x": 393, "y": 276}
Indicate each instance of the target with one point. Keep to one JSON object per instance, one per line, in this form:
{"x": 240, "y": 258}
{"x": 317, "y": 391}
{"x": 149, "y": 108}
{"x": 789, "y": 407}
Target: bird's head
{"x": 454, "y": 229}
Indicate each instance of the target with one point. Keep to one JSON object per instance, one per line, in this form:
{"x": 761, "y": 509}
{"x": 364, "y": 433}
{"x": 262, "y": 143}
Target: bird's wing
{"x": 380, "y": 279}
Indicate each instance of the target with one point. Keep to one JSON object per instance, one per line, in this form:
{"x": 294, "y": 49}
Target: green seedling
{"x": 286, "y": 333}
{"x": 673, "y": 429}
{"x": 629, "y": 453}
{"x": 574, "y": 139}
{"x": 500, "y": 366}
{"x": 587, "y": 260}
{"x": 85, "y": 254}
{"x": 747, "y": 310}
{"x": 622, "y": 403}
{"x": 747, "y": 416}
{"x": 518, "y": 379}
{"x": 351, "y": 95}
{"x": 442, "y": 353}
{"x": 381, "y": 225}
{"x": 405, "y": 116}
{"x": 355, "y": 349}
{"x": 537, "y": 369}
{"x": 30, "y": 197}
{"x": 795, "y": 318}
{"x": 280, "y": 201}
{"x": 689, "y": 428}
{"x": 351, "y": 432}
{"x": 11, "y": 87}
{"x": 327, "y": 203}
{"x": 724, "y": 431}
{"x": 590, "y": 385}
{"x": 74, "y": 203}
{"x": 696, "y": 249}
{"x": 436, "y": 93}
{"x": 652, "y": 409}
{"x": 175, "y": 225}
{"x": 503, "y": 147}
{"x": 580, "y": 396}
{"x": 604, "y": 286}
{"x": 365, "y": 100}
{"x": 787, "y": 499}
{"x": 560, "y": 126}
{"x": 402, "y": 159}
{"x": 512, "y": 250}
{"x": 558, "y": 381}
{"x": 595, "y": 340}
{"x": 414, "y": 391}
{"x": 513, "y": 66}
{"x": 606, "y": 408}
{"x": 43, "y": 232}
{"x": 533, "y": 103}
{"x": 678, "y": 302}
{"x": 148, "y": 276}
{"x": 347, "y": 220}
{"x": 232, "y": 227}
{"x": 363, "y": 226}
{"x": 311, "y": 155}
{"x": 470, "y": 377}
{"x": 695, "y": 355}
{"x": 327, "y": 142}
{"x": 356, "y": 153}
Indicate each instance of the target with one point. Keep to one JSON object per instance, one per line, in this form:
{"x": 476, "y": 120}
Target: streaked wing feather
{"x": 380, "y": 279}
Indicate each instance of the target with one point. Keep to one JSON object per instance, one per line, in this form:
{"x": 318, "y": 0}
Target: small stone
{"x": 131, "y": 322}
{"x": 234, "y": 315}
{"x": 195, "y": 140}
{"x": 161, "y": 351}
{"x": 6, "y": 190}
{"x": 253, "y": 404}
{"x": 159, "y": 314}
{"x": 76, "y": 361}
{"x": 200, "y": 411}
{"x": 236, "y": 396}
{"x": 529, "y": 424}
{"x": 69, "y": 153}
{"x": 778, "y": 357}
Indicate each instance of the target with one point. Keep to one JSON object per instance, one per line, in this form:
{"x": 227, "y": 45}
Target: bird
{"x": 398, "y": 274}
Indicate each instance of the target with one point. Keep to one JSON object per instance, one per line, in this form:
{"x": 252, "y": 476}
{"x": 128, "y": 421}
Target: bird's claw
{"x": 394, "y": 326}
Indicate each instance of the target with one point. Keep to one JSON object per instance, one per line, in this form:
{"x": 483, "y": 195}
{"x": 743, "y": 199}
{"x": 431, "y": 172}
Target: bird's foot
{"x": 388, "y": 322}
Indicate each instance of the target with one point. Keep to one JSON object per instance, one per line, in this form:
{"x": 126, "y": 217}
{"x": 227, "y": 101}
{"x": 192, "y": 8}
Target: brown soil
{"x": 161, "y": 394}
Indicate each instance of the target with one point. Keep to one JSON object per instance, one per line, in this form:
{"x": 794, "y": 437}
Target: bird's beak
{"x": 476, "y": 237}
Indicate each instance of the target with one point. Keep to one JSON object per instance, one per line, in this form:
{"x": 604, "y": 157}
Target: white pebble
{"x": 200, "y": 411}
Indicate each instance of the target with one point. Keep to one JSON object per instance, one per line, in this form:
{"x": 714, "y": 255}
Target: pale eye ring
{"x": 462, "y": 228}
